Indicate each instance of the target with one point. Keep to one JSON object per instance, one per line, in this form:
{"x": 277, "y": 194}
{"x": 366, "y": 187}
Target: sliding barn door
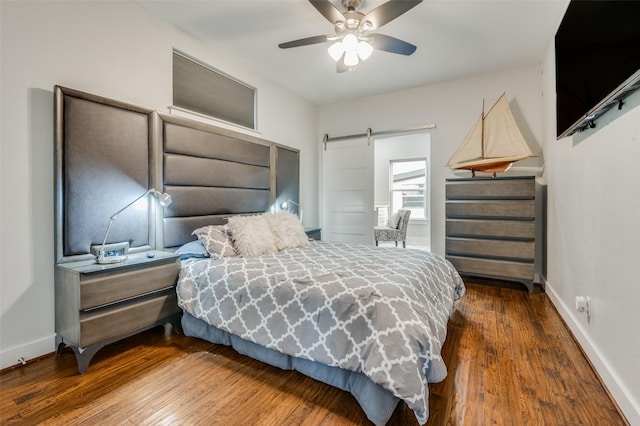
{"x": 347, "y": 191}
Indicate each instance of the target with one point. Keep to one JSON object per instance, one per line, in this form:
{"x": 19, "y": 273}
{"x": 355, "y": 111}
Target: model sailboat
{"x": 493, "y": 144}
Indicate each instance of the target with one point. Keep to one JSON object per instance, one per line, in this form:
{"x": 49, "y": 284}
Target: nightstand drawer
{"x": 108, "y": 287}
{"x": 102, "y": 324}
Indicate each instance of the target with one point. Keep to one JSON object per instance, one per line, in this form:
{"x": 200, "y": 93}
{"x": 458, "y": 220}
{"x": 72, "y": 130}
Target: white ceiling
{"x": 455, "y": 39}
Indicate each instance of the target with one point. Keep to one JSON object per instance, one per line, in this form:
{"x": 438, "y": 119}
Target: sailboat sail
{"x": 493, "y": 144}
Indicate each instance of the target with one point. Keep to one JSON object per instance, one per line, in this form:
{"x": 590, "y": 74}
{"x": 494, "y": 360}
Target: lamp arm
{"x": 149, "y": 191}
{"x": 115, "y": 215}
{"x": 106, "y": 233}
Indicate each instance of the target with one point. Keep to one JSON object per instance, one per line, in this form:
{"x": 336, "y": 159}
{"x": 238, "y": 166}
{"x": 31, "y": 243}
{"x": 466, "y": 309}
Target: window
{"x": 200, "y": 88}
{"x": 408, "y": 186}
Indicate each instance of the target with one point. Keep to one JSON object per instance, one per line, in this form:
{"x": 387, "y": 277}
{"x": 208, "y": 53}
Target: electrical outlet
{"x": 583, "y": 304}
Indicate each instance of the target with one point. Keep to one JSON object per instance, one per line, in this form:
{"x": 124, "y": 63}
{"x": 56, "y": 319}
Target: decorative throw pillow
{"x": 217, "y": 240}
{"x": 394, "y": 221}
{"x": 192, "y": 249}
{"x": 252, "y": 235}
{"x": 287, "y": 229}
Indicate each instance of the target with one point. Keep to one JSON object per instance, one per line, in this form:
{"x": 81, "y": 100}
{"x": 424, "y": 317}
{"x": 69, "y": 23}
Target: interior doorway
{"x": 402, "y": 180}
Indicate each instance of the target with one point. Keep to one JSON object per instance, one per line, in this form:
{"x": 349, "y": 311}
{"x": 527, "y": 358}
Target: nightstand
{"x": 313, "y": 233}
{"x": 100, "y": 304}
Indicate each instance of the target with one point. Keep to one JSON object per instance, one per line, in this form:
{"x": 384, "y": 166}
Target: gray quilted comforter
{"x": 375, "y": 310}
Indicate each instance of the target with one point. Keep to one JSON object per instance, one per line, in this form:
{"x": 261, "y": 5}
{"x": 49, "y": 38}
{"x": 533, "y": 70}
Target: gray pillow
{"x": 394, "y": 220}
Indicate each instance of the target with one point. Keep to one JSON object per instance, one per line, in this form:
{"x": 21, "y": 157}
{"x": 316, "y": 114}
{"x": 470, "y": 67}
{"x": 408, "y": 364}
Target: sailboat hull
{"x": 489, "y": 165}
{"x": 496, "y": 168}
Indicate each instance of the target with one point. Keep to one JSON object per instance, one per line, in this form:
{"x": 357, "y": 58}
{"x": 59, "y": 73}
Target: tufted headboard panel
{"x": 102, "y": 152}
{"x": 211, "y": 174}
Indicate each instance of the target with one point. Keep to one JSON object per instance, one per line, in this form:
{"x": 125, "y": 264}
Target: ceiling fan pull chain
{"x": 369, "y": 136}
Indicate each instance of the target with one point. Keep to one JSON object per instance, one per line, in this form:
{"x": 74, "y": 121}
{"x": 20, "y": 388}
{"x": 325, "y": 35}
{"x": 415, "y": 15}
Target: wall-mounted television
{"x": 597, "y": 61}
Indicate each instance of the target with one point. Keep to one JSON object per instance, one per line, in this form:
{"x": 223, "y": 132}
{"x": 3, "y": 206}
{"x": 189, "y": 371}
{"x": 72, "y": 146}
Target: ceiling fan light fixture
{"x": 364, "y": 50}
{"x": 351, "y": 58}
{"x": 336, "y": 50}
{"x": 350, "y": 42}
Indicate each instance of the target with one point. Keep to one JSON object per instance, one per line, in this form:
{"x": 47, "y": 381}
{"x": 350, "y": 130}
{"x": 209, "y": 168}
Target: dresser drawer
{"x": 491, "y": 208}
{"x": 491, "y": 228}
{"x": 524, "y": 250}
{"x": 494, "y": 268}
{"x": 102, "y": 324}
{"x": 520, "y": 188}
{"x": 102, "y": 288}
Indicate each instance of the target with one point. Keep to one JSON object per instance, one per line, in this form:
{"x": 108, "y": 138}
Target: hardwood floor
{"x": 510, "y": 357}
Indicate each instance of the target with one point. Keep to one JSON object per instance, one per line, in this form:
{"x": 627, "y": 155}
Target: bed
{"x": 368, "y": 320}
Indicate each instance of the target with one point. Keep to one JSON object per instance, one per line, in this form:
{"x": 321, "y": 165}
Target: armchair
{"x": 391, "y": 233}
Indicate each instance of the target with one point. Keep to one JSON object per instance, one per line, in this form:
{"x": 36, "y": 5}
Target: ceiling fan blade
{"x": 305, "y": 41}
{"x": 327, "y": 10}
{"x": 340, "y": 66}
{"x": 387, "y": 12}
{"x": 391, "y": 44}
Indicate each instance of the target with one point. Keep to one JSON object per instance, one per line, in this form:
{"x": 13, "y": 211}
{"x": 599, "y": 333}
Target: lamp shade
{"x": 351, "y": 58}
{"x": 364, "y": 50}
{"x": 350, "y": 42}
{"x": 286, "y": 204}
{"x": 336, "y": 50}
{"x": 164, "y": 198}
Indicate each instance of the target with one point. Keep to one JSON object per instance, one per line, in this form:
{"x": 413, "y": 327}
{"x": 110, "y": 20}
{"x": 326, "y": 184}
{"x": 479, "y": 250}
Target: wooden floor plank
{"x": 510, "y": 360}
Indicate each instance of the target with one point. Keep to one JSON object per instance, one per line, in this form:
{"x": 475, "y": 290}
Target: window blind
{"x": 202, "y": 89}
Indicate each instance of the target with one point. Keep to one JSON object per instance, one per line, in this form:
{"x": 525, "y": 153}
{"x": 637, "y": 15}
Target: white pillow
{"x": 252, "y": 235}
{"x": 288, "y": 230}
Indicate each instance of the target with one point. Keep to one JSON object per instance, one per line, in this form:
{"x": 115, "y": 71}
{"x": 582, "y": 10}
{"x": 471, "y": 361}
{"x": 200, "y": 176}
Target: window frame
{"x": 426, "y": 207}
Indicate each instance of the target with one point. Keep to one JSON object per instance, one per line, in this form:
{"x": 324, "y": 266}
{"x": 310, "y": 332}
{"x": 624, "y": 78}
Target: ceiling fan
{"x": 353, "y": 40}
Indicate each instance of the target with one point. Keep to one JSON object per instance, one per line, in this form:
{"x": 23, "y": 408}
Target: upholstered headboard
{"x": 210, "y": 174}
{"x": 109, "y": 152}
{"x": 214, "y": 173}
{"x": 102, "y": 152}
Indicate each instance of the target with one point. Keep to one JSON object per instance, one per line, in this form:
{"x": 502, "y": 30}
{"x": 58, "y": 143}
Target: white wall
{"x": 593, "y": 238}
{"x": 453, "y": 107}
{"x": 120, "y": 51}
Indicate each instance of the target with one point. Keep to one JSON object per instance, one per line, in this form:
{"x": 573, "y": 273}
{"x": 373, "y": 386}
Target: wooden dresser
{"x": 493, "y": 227}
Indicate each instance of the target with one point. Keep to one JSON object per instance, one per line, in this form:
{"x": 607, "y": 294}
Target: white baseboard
{"x": 618, "y": 391}
{"x": 26, "y": 352}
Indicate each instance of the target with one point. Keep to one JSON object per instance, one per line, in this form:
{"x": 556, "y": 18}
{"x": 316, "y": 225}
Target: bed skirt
{"x": 377, "y": 403}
